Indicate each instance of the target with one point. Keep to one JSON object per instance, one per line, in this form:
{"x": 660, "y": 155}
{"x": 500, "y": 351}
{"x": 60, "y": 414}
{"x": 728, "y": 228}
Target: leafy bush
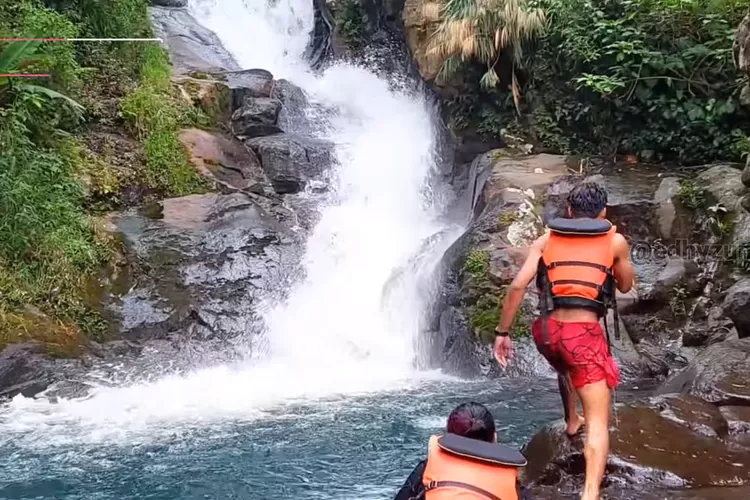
{"x": 649, "y": 77}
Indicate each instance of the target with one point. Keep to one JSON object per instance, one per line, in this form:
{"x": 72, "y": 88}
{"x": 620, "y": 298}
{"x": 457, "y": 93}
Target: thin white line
{"x": 113, "y": 39}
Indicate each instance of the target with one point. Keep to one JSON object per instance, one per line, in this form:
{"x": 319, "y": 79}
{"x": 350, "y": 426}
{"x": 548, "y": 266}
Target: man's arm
{"x": 413, "y": 485}
{"x": 517, "y": 289}
{"x": 624, "y": 271}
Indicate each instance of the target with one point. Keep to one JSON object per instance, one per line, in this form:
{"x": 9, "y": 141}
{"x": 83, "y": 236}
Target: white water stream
{"x": 334, "y": 335}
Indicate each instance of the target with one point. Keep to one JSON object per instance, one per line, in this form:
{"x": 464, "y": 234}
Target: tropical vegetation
{"x": 654, "y": 78}
{"x": 105, "y": 119}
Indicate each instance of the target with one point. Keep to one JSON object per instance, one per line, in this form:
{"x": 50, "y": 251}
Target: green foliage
{"x": 351, "y": 22}
{"x": 156, "y": 116}
{"x": 653, "y": 78}
{"x": 50, "y": 248}
{"x": 477, "y": 264}
{"x": 47, "y": 245}
{"x": 692, "y": 195}
{"x": 485, "y": 315}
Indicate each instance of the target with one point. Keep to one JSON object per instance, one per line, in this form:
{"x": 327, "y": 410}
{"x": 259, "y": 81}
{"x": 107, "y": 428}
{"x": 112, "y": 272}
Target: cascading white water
{"x": 334, "y": 334}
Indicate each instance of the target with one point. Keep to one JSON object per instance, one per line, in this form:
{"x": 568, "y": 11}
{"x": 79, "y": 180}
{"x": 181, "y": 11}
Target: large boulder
{"x": 223, "y": 159}
{"x": 741, "y": 51}
{"x": 717, "y": 375}
{"x": 724, "y": 184}
{"x": 197, "y": 266}
{"x": 207, "y": 94}
{"x": 678, "y": 274}
{"x": 248, "y": 83}
{"x": 632, "y": 200}
{"x": 737, "y": 306}
{"x": 672, "y": 220}
{"x": 505, "y": 196}
{"x": 191, "y": 46}
{"x": 671, "y": 442}
{"x": 291, "y": 161}
{"x": 257, "y": 117}
{"x": 24, "y": 370}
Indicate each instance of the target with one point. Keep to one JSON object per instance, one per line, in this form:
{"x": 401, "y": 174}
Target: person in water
{"x": 448, "y": 472}
{"x": 577, "y": 263}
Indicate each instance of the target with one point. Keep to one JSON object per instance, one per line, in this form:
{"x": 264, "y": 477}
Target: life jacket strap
{"x": 578, "y": 263}
{"x": 599, "y": 288}
{"x": 457, "y": 484}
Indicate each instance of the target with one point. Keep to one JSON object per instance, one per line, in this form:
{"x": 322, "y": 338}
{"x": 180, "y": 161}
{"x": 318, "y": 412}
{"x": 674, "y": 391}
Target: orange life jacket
{"x": 577, "y": 263}
{"x": 463, "y": 472}
{"x": 576, "y": 269}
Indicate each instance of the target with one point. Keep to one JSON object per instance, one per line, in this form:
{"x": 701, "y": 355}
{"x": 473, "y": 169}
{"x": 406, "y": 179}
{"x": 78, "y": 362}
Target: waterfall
{"x": 351, "y": 322}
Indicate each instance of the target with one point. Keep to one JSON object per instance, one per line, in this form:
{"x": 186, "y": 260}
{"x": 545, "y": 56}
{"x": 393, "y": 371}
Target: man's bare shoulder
{"x": 620, "y": 245}
{"x": 541, "y": 242}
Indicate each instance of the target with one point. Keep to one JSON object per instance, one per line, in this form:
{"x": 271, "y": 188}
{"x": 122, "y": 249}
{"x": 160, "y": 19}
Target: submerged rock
{"x": 291, "y": 161}
{"x": 200, "y": 266}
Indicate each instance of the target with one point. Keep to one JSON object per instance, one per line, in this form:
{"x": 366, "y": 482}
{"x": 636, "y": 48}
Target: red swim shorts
{"x": 580, "y": 349}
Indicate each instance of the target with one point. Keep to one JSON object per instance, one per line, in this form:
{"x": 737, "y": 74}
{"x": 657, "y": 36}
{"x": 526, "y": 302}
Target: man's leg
{"x": 569, "y": 401}
{"x": 596, "y": 400}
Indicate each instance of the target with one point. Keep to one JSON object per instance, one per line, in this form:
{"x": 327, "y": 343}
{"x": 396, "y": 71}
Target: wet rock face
{"x": 191, "y": 46}
{"x": 272, "y": 123}
{"x": 717, "y": 375}
{"x": 23, "y": 370}
{"x": 223, "y": 159}
{"x": 257, "y": 117}
{"x": 724, "y": 183}
{"x": 248, "y": 83}
{"x": 170, "y": 3}
{"x": 673, "y": 442}
{"x": 291, "y": 161}
{"x": 199, "y": 263}
{"x": 737, "y": 306}
{"x": 504, "y": 194}
{"x": 741, "y": 52}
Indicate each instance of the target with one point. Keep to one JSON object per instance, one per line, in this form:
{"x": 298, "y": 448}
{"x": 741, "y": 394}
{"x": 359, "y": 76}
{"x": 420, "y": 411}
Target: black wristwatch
{"x": 498, "y": 333}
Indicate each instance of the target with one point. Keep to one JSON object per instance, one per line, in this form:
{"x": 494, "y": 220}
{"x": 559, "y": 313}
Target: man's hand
{"x": 503, "y": 350}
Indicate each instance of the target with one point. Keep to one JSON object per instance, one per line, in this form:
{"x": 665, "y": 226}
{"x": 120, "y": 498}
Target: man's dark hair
{"x": 472, "y": 420}
{"x": 587, "y": 200}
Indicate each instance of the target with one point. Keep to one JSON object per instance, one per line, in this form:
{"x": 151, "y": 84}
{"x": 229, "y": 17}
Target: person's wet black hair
{"x": 587, "y": 200}
{"x": 472, "y": 420}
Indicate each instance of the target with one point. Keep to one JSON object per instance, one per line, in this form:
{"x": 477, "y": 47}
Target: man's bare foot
{"x": 575, "y": 426}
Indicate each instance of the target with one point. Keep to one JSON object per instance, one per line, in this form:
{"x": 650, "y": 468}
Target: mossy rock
{"x": 59, "y": 339}
{"x": 210, "y": 96}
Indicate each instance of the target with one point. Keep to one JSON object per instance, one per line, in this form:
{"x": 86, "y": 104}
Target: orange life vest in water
{"x": 460, "y": 468}
{"x": 576, "y": 267}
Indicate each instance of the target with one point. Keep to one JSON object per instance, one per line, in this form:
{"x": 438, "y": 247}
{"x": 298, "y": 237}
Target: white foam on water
{"x": 334, "y": 335}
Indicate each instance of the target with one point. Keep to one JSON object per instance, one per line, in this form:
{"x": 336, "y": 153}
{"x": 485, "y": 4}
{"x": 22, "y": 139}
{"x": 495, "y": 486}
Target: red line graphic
{"x": 24, "y": 75}
{"x": 32, "y": 39}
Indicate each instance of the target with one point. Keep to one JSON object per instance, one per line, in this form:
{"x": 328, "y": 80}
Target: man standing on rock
{"x": 577, "y": 264}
